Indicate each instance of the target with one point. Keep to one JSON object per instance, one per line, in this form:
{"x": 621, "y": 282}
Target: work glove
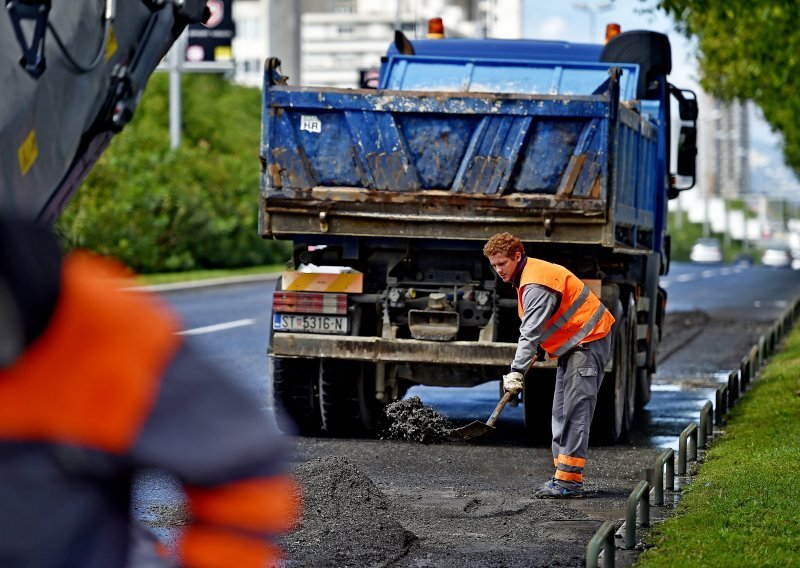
{"x": 512, "y": 382}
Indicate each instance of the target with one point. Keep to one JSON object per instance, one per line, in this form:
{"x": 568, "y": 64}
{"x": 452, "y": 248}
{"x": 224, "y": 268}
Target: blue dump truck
{"x": 389, "y": 195}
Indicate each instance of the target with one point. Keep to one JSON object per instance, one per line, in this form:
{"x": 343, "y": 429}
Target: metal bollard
{"x": 755, "y": 357}
{"x": 640, "y": 497}
{"x": 602, "y": 539}
{"x": 665, "y": 460}
{"x": 722, "y": 405}
{"x": 744, "y": 379}
{"x": 690, "y": 432}
{"x": 733, "y": 383}
{"x": 755, "y": 365}
{"x": 706, "y": 425}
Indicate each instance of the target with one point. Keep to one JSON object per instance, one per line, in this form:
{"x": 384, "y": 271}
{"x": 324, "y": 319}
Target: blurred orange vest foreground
{"x": 108, "y": 389}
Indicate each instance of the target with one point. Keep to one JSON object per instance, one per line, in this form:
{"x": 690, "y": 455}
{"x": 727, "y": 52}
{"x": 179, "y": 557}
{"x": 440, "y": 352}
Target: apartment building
{"x": 340, "y": 40}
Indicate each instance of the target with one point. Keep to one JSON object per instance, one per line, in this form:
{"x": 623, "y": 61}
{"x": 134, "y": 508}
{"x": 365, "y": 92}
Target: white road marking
{"x": 708, "y": 273}
{"x": 217, "y": 327}
{"x": 665, "y": 388}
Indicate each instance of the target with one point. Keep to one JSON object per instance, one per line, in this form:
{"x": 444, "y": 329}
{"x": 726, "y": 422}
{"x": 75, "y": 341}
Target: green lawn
{"x": 743, "y": 507}
{"x": 170, "y": 277}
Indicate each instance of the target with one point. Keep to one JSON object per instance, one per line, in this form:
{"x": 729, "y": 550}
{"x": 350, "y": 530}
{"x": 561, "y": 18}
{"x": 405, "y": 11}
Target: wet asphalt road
{"x": 229, "y": 326}
{"x": 741, "y": 304}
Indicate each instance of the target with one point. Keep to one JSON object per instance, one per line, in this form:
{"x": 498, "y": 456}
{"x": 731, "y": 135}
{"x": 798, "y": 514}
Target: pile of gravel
{"x": 410, "y": 420}
{"x": 346, "y": 519}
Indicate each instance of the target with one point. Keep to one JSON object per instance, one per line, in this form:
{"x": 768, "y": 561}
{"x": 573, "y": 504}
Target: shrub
{"x": 157, "y": 209}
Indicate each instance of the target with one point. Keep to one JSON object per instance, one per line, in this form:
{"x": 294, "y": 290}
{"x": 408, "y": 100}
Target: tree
{"x": 749, "y": 50}
{"x": 156, "y": 209}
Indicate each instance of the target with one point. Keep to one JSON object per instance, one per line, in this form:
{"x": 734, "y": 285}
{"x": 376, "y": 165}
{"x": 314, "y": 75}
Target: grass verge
{"x": 171, "y": 277}
{"x": 742, "y": 507}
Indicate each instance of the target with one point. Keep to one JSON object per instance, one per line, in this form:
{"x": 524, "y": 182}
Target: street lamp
{"x": 593, "y": 10}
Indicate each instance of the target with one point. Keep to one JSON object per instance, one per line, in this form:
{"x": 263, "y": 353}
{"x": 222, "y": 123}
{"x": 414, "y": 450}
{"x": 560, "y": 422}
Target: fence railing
{"x": 695, "y": 435}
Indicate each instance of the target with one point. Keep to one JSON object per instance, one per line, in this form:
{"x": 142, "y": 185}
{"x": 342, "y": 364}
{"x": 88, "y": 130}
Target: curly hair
{"x": 504, "y": 243}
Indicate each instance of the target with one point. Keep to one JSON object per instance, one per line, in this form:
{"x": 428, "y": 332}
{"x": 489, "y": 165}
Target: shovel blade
{"x": 470, "y": 431}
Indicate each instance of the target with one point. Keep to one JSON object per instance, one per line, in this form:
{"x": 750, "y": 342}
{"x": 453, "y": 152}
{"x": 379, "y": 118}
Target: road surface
{"x": 455, "y": 505}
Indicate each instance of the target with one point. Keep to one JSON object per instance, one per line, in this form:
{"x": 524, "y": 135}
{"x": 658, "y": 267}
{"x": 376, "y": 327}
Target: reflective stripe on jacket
{"x": 579, "y": 317}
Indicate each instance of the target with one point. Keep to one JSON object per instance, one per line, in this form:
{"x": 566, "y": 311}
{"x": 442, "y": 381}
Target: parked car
{"x": 706, "y": 250}
{"x": 777, "y": 255}
{"x": 796, "y": 259}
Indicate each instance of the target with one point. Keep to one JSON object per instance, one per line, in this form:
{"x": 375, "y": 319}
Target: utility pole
{"x": 593, "y": 10}
{"x": 176, "y": 54}
{"x": 183, "y": 58}
{"x": 398, "y": 14}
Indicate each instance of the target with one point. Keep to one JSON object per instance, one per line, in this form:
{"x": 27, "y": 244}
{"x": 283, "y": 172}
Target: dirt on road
{"x": 415, "y": 500}
{"x": 393, "y": 503}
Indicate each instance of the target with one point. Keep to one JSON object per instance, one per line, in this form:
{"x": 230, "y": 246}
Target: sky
{"x": 562, "y": 20}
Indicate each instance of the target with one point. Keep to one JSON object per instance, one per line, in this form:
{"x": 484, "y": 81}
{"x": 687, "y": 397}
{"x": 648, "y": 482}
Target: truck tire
{"x": 630, "y": 326}
{"x": 294, "y": 395}
{"x": 608, "y": 425}
{"x": 348, "y": 406}
{"x": 537, "y": 405}
{"x": 643, "y": 381}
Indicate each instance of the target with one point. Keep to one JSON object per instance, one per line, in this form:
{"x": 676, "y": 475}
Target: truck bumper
{"x": 378, "y": 350}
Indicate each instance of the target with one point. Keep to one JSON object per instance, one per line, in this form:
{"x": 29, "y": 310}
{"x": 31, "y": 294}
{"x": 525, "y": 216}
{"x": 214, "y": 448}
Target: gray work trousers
{"x": 578, "y": 379}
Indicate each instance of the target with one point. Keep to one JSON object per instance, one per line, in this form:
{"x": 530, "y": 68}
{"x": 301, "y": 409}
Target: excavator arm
{"x": 71, "y": 75}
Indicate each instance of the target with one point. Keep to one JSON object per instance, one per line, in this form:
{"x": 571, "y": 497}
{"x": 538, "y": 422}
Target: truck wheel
{"x": 630, "y": 359}
{"x": 643, "y": 382}
{"x": 348, "y": 406}
{"x": 608, "y": 425}
{"x": 294, "y": 395}
{"x": 537, "y": 405}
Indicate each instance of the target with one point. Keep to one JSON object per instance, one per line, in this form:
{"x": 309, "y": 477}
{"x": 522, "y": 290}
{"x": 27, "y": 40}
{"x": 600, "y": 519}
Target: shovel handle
{"x": 493, "y": 418}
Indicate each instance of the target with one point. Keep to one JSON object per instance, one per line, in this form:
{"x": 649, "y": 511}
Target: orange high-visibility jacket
{"x": 580, "y": 316}
{"x": 109, "y": 389}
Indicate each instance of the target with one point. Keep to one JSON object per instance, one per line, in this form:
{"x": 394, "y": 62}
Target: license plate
{"x": 309, "y": 323}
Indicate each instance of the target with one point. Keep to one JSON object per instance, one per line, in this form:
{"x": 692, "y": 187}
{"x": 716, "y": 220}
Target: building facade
{"x": 340, "y": 40}
{"x": 724, "y": 148}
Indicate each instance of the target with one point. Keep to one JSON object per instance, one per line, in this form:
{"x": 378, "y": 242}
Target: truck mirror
{"x": 687, "y": 108}
{"x": 402, "y": 43}
{"x": 687, "y": 151}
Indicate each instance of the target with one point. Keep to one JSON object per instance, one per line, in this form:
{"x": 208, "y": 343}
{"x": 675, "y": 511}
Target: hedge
{"x": 196, "y": 207}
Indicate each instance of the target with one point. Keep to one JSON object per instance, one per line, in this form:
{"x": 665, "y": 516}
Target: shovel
{"x": 477, "y": 429}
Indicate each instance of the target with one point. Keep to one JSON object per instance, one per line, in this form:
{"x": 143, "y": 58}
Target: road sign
{"x": 212, "y": 41}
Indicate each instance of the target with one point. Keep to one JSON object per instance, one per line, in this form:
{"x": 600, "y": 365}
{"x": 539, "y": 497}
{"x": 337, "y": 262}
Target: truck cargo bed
{"x": 464, "y": 165}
